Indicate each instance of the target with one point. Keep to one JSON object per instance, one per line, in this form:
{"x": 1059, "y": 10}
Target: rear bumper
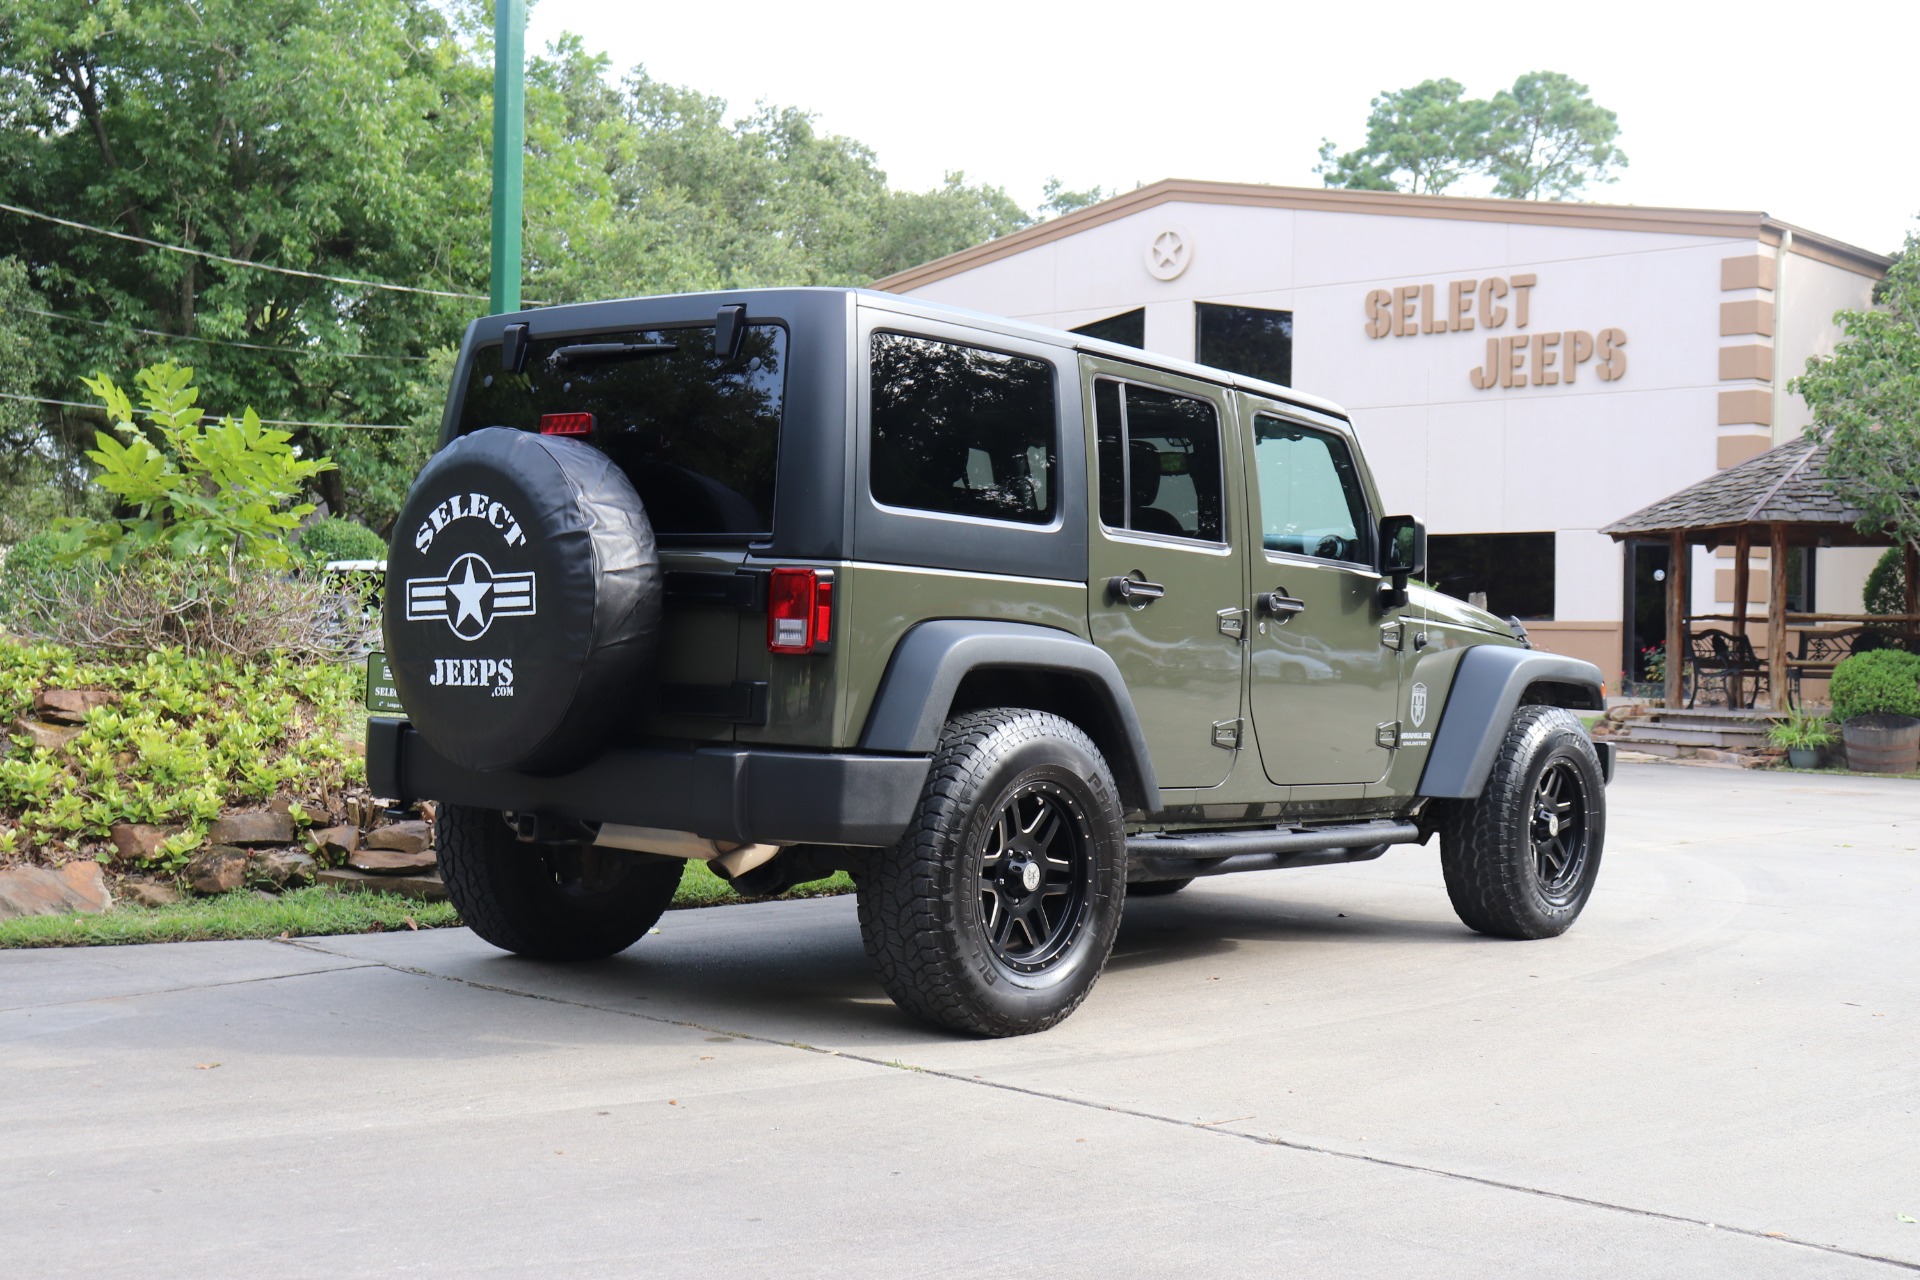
{"x": 739, "y": 794}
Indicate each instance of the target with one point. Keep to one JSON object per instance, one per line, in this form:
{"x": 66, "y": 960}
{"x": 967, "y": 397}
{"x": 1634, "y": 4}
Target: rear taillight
{"x": 800, "y": 611}
{"x": 566, "y": 424}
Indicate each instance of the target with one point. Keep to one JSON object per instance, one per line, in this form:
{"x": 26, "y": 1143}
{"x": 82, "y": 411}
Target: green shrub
{"x": 228, "y": 491}
{"x": 1886, "y": 590}
{"x": 337, "y": 538}
{"x": 1885, "y": 680}
{"x": 187, "y": 738}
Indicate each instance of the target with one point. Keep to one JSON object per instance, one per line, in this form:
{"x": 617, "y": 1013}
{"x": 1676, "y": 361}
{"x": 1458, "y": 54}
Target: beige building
{"x": 1521, "y": 373}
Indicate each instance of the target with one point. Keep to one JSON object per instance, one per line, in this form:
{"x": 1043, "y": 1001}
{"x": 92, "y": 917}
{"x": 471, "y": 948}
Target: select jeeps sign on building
{"x": 1523, "y": 373}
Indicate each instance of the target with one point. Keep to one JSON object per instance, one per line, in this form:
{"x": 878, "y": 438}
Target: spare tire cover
{"x": 523, "y": 600}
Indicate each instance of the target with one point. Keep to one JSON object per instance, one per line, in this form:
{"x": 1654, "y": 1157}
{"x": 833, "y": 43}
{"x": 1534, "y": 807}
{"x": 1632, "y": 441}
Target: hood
{"x": 1444, "y": 608}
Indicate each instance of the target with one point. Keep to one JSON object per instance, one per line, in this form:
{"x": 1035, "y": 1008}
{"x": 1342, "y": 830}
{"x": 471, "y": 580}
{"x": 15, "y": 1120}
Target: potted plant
{"x": 1803, "y": 736}
{"x": 1876, "y": 701}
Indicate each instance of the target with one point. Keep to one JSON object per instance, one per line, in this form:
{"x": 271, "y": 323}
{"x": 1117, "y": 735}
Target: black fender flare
{"x": 1490, "y": 684}
{"x": 917, "y": 692}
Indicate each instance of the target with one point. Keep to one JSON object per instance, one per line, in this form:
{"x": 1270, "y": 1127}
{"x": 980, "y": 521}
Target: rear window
{"x": 698, "y": 436}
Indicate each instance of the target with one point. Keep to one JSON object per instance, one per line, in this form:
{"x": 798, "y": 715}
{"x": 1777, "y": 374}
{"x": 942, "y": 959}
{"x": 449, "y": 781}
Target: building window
{"x": 1508, "y": 574}
{"x": 962, "y": 431}
{"x": 1249, "y": 340}
{"x": 1129, "y": 328}
{"x": 1159, "y": 459}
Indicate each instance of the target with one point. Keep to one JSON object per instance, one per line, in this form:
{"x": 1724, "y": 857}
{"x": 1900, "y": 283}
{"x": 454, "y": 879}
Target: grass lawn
{"x": 308, "y": 913}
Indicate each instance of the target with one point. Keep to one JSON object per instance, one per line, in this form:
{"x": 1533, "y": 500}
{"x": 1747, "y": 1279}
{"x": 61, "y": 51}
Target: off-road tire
{"x": 947, "y": 920}
{"x": 549, "y": 901}
{"x": 1495, "y": 850}
{"x": 1157, "y": 888}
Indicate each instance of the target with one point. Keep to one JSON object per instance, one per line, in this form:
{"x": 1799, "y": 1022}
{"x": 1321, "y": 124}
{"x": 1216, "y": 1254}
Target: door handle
{"x": 1280, "y": 604}
{"x": 1130, "y": 590}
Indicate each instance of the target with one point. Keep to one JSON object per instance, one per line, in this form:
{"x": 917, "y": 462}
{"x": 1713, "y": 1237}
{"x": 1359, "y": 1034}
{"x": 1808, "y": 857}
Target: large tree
{"x": 350, "y": 139}
{"x": 1422, "y": 139}
{"x": 1544, "y": 138}
{"x": 1548, "y": 139}
{"x": 1865, "y": 399}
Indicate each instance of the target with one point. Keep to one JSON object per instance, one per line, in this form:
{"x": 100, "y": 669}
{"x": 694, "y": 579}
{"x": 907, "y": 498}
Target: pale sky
{"x": 1804, "y": 113}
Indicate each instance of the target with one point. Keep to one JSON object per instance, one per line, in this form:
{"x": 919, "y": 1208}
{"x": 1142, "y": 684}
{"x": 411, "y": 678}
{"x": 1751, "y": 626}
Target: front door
{"x": 1166, "y": 584}
{"x": 1325, "y": 683}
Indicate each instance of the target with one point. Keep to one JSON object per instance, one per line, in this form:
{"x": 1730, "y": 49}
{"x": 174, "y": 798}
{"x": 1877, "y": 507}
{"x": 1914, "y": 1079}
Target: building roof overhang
{"x": 1720, "y": 223}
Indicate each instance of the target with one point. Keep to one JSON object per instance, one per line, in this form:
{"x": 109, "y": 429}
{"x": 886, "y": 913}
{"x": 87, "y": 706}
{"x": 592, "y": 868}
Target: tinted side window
{"x": 962, "y": 430}
{"x": 1310, "y": 496}
{"x": 1159, "y": 461}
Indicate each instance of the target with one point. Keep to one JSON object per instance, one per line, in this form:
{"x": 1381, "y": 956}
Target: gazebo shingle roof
{"x": 1784, "y": 485}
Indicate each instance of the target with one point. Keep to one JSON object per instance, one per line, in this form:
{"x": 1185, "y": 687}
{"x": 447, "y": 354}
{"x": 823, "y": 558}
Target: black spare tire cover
{"x": 522, "y": 601}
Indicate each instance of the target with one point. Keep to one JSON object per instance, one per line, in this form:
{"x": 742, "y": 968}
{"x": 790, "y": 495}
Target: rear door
{"x": 1323, "y": 644}
{"x": 1166, "y": 585}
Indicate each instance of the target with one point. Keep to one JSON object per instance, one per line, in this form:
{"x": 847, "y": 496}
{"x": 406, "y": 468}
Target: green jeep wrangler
{"x": 1008, "y": 623}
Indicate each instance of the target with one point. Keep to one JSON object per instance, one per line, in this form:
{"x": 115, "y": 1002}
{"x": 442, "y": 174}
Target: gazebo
{"x": 1778, "y": 500}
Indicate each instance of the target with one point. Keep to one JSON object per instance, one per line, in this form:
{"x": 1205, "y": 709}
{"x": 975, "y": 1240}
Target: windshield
{"x": 698, "y": 435}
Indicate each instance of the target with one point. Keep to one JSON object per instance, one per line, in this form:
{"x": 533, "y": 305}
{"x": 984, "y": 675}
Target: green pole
{"x": 509, "y": 147}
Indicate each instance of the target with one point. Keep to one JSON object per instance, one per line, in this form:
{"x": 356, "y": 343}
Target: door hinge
{"x": 1387, "y": 735}
{"x": 1233, "y": 622}
{"x": 1226, "y": 733}
{"x": 1393, "y": 635}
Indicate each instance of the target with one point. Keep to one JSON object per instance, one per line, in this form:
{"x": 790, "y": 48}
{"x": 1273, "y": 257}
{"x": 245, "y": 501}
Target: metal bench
{"x": 1715, "y": 657}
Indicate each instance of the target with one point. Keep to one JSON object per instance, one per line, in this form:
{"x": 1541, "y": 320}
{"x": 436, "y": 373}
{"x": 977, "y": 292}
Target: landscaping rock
{"x": 403, "y": 837}
{"x": 136, "y": 842}
{"x": 252, "y": 828}
{"x": 38, "y": 891}
{"x": 286, "y": 868}
{"x": 152, "y": 893}
{"x": 337, "y": 842}
{"x": 392, "y": 862}
{"x": 87, "y": 883}
{"x": 46, "y": 737}
{"x": 427, "y": 888}
{"x": 219, "y": 869}
{"x": 70, "y": 706}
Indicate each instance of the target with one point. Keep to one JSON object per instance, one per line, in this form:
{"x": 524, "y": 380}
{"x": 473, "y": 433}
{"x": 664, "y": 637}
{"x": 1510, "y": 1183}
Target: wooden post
{"x": 1777, "y": 619}
{"x": 1742, "y": 545}
{"x": 1677, "y": 551}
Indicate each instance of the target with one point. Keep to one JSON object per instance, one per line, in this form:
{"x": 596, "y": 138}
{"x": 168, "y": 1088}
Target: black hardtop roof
{"x": 583, "y": 317}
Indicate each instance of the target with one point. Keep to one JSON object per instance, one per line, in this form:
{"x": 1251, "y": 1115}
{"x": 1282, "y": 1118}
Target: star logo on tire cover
{"x": 470, "y": 597}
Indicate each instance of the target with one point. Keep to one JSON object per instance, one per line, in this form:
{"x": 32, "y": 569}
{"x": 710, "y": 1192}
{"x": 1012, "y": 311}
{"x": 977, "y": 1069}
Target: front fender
{"x": 1489, "y": 686}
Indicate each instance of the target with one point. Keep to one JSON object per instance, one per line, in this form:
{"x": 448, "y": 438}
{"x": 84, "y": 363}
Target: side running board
{"x": 1173, "y": 856}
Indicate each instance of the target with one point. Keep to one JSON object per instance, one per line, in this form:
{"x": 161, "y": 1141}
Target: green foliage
{"x": 336, "y": 538}
{"x": 1865, "y": 399}
{"x": 229, "y": 489}
{"x": 301, "y": 913}
{"x": 1886, "y": 589}
{"x": 1548, "y": 139}
{"x": 1801, "y": 730}
{"x": 1544, "y": 138}
{"x": 1883, "y": 680}
{"x": 1422, "y": 140}
{"x": 1055, "y": 199}
{"x": 187, "y": 738}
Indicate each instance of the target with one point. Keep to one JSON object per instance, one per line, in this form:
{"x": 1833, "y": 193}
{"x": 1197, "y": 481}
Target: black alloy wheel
{"x": 1559, "y": 832}
{"x": 1520, "y": 859}
{"x": 996, "y": 911}
{"x": 1035, "y": 877}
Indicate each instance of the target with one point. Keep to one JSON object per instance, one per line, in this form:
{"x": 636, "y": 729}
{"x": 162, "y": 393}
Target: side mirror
{"x": 1403, "y": 550}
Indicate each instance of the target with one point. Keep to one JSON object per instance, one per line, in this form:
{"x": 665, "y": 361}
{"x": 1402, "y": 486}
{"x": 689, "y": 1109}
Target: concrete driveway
{"x": 1302, "y": 1073}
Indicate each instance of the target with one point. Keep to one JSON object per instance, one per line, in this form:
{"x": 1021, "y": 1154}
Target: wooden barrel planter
{"x": 1880, "y": 743}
